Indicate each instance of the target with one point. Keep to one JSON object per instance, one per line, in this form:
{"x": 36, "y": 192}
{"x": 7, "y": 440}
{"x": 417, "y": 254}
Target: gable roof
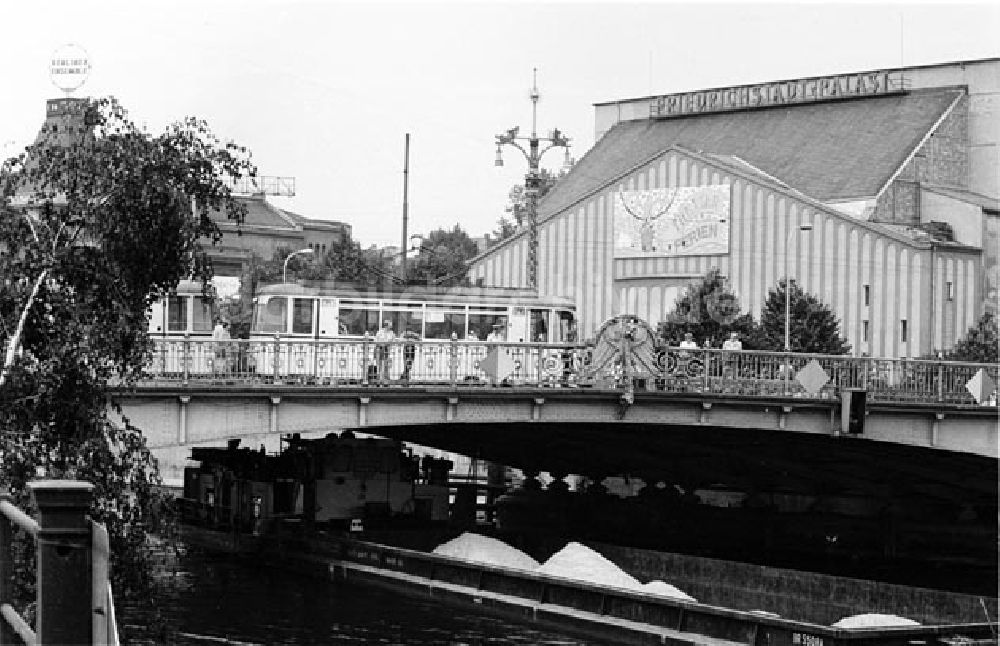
{"x": 315, "y": 223}
{"x": 836, "y": 150}
{"x": 741, "y": 168}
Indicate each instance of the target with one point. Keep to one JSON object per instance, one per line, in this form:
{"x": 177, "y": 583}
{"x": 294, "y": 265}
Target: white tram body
{"x": 185, "y": 315}
{"x": 328, "y": 333}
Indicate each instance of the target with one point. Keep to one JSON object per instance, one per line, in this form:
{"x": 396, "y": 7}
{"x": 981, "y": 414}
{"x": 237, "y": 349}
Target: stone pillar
{"x": 273, "y": 429}
{"x": 182, "y": 419}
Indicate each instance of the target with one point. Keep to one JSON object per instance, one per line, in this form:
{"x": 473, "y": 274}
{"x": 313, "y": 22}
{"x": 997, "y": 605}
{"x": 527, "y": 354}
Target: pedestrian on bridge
{"x": 221, "y": 339}
{"x": 383, "y": 350}
{"x": 499, "y": 333}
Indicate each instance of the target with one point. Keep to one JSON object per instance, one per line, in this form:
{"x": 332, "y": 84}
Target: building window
{"x": 949, "y": 291}
{"x": 864, "y": 330}
{"x": 902, "y": 330}
{"x": 868, "y": 295}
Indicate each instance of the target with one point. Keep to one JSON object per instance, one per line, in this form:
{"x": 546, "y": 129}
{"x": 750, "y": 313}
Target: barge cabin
{"x": 337, "y": 482}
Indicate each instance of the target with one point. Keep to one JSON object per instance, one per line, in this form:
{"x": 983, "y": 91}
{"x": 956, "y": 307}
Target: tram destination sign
{"x": 808, "y": 90}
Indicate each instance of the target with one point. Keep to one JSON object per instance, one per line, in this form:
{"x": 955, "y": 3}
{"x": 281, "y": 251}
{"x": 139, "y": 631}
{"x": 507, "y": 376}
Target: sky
{"x": 325, "y": 92}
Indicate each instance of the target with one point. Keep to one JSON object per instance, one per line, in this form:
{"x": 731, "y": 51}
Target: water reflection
{"x": 216, "y": 600}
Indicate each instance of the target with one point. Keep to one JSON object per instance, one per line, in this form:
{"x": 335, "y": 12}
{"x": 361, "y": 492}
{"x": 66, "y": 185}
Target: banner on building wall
{"x": 665, "y": 222}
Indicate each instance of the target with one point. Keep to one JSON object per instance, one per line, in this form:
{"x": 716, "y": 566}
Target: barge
{"x": 276, "y": 513}
{"x": 597, "y": 612}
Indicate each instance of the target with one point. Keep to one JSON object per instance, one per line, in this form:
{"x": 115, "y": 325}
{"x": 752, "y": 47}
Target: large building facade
{"x": 875, "y": 191}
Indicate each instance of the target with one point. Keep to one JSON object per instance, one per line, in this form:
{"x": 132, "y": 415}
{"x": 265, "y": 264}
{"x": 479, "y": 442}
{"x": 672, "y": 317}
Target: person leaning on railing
{"x": 410, "y": 339}
{"x": 221, "y": 342}
{"x": 383, "y": 340}
{"x": 730, "y": 365}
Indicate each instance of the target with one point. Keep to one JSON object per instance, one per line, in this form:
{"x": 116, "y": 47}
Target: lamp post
{"x": 532, "y": 180}
{"x": 284, "y": 269}
{"x": 788, "y": 287}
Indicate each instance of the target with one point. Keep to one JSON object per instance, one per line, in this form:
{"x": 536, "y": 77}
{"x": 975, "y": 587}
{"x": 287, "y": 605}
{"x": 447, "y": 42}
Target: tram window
{"x": 302, "y": 315}
{"x": 355, "y": 321}
{"x": 271, "y": 315}
{"x": 408, "y": 321}
{"x": 539, "y": 325}
{"x": 441, "y": 325}
{"x": 480, "y": 325}
{"x": 177, "y": 317}
{"x": 202, "y": 315}
{"x": 566, "y": 333}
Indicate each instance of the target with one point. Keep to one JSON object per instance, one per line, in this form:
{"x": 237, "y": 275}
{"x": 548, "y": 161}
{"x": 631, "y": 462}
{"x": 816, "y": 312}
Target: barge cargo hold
{"x": 601, "y": 613}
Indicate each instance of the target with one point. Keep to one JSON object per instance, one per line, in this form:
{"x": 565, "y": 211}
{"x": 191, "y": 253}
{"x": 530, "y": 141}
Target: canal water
{"x": 211, "y": 599}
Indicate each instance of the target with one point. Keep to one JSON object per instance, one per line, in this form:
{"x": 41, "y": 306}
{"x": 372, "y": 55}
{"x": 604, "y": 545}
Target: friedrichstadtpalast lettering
{"x": 824, "y": 88}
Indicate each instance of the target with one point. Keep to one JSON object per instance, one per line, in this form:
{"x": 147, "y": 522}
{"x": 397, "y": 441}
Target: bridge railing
{"x": 352, "y": 362}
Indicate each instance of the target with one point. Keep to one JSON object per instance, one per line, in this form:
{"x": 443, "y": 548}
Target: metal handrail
{"x": 18, "y": 517}
{"x": 18, "y": 624}
{"x": 460, "y": 363}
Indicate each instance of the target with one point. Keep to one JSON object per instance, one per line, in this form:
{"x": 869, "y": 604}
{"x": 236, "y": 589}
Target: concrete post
{"x": 275, "y": 401}
{"x": 182, "y": 419}
{"x": 64, "y": 561}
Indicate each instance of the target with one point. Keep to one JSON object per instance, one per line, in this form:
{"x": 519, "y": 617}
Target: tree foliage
{"x": 710, "y": 311}
{"x": 814, "y": 327}
{"x": 443, "y": 258}
{"x": 981, "y": 343}
{"x": 97, "y": 218}
{"x": 344, "y": 261}
{"x": 517, "y": 205}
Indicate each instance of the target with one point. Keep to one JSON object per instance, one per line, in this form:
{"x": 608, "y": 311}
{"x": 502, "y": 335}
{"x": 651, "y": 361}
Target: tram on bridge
{"x": 330, "y": 334}
{"x": 334, "y": 333}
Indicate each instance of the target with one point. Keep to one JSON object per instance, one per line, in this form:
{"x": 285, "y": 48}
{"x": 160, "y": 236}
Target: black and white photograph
{"x": 499, "y": 323}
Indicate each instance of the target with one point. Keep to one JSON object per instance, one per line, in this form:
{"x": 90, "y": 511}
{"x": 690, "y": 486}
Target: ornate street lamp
{"x": 532, "y": 181}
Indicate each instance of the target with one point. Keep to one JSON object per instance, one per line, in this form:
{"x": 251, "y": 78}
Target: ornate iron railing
{"x": 402, "y": 363}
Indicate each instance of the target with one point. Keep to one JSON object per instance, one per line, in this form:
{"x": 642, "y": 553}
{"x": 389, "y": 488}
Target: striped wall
{"x": 834, "y": 261}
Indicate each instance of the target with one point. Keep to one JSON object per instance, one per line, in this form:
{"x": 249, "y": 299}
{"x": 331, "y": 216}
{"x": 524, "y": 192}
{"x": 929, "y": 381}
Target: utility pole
{"x": 406, "y": 186}
{"x": 532, "y": 181}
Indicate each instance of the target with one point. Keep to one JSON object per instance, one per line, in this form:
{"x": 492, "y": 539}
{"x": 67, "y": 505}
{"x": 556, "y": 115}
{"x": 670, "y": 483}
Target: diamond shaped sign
{"x": 981, "y": 386}
{"x": 498, "y": 364}
{"x": 812, "y": 377}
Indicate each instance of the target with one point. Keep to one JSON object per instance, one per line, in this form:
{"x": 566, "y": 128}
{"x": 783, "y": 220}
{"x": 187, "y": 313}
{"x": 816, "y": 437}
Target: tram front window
{"x": 270, "y": 314}
{"x": 203, "y": 319}
{"x": 177, "y": 314}
{"x": 302, "y": 316}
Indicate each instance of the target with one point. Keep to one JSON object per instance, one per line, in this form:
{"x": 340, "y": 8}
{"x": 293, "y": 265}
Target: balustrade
{"x": 747, "y": 373}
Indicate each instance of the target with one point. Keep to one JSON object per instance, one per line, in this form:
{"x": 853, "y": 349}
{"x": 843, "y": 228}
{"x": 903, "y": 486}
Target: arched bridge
{"x": 200, "y": 392}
